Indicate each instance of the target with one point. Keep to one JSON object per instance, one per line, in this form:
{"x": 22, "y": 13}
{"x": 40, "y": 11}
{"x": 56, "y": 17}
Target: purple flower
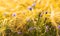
{"x": 30, "y": 8}
{"x": 19, "y": 32}
{"x": 14, "y": 14}
{"x": 59, "y": 26}
{"x": 33, "y": 4}
{"x": 31, "y": 28}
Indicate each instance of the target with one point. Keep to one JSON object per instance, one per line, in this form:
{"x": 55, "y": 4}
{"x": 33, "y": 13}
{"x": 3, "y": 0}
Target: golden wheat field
{"x": 29, "y": 17}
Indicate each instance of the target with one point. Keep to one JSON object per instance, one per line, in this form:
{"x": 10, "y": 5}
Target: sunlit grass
{"x": 29, "y": 17}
